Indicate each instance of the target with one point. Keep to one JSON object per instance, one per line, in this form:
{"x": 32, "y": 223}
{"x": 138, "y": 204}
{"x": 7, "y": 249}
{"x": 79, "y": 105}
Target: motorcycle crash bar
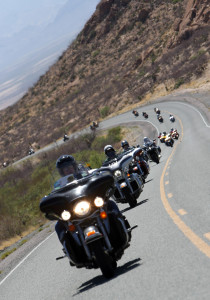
{"x": 133, "y": 227}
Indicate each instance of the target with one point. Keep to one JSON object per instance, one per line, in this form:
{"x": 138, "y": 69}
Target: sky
{"x": 17, "y": 14}
{"x": 33, "y": 34}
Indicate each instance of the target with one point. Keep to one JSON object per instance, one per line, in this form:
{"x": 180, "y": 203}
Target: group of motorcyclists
{"x": 123, "y": 174}
{"x": 120, "y": 179}
{"x": 67, "y": 165}
{"x": 168, "y": 138}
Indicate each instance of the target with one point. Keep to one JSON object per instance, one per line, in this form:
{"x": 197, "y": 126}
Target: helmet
{"x": 146, "y": 139}
{"x": 65, "y": 161}
{"x": 172, "y": 129}
{"x": 109, "y": 150}
{"x": 124, "y": 143}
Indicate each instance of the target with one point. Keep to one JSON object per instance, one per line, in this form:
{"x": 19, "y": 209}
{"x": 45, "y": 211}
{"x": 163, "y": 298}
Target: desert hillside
{"x": 127, "y": 50}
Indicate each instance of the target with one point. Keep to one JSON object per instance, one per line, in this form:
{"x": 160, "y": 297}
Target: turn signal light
{"x": 90, "y": 233}
{"x": 103, "y": 215}
{"x": 72, "y": 227}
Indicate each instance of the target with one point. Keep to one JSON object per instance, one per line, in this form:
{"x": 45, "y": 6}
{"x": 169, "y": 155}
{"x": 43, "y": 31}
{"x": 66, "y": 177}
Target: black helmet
{"x": 64, "y": 161}
{"x": 109, "y": 151}
{"x": 124, "y": 143}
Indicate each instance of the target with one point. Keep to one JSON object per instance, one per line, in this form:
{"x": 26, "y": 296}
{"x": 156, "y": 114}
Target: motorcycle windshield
{"x": 122, "y": 161}
{"x": 60, "y": 182}
{"x": 92, "y": 184}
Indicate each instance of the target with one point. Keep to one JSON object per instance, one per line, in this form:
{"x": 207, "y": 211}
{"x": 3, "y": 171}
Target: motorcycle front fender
{"x": 91, "y": 234}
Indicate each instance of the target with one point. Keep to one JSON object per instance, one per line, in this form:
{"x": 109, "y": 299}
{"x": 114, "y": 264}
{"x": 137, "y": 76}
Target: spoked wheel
{"x": 106, "y": 263}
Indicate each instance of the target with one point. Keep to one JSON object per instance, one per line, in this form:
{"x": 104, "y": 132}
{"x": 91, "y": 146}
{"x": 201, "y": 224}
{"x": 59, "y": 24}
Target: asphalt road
{"x": 169, "y": 256}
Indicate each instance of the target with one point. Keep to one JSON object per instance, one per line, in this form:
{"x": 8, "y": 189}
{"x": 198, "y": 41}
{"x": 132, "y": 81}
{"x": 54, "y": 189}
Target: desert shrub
{"x": 179, "y": 82}
{"x": 96, "y": 159}
{"x": 104, "y": 111}
{"x": 99, "y": 143}
{"x": 114, "y": 135}
{"x": 95, "y": 53}
{"x": 176, "y": 1}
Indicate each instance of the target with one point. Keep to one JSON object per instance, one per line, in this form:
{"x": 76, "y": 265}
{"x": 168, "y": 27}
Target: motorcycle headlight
{"x": 98, "y": 202}
{"x": 82, "y": 208}
{"x": 65, "y": 215}
{"x": 117, "y": 173}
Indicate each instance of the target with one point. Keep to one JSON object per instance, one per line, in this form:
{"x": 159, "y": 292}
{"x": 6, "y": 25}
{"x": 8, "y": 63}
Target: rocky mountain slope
{"x": 127, "y": 50}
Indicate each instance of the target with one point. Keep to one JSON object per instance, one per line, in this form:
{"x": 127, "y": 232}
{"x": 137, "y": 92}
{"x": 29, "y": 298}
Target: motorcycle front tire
{"x": 106, "y": 263}
{"x": 131, "y": 200}
{"x": 155, "y": 158}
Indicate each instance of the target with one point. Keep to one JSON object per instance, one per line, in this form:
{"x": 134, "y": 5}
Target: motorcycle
{"x": 157, "y": 111}
{"x": 139, "y": 165}
{"x": 153, "y": 152}
{"x": 160, "y": 118}
{"x": 5, "y": 164}
{"x": 171, "y": 118}
{"x": 162, "y": 137}
{"x": 65, "y": 137}
{"x": 31, "y": 151}
{"x": 96, "y": 236}
{"x": 145, "y": 115}
{"x": 175, "y": 134}
{"x": 169, "y": 140}
{"x": 128, "y": 185}
{"x": 94, "y": 125}
{"x": 135, "y": 112}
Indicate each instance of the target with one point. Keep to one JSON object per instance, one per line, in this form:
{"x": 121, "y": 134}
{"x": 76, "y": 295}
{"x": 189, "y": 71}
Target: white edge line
{"x": 191, "y": 106}
{"x": 139, "y": 121}
{"x": 26, "y": 257}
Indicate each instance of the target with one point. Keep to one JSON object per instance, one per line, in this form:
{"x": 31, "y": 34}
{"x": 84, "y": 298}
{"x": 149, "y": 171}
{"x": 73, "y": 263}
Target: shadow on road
{"x": 129, "y": 208}
{"x": 98, "y": 280}
{"x": 149, "y": 180}
{"x": 155, "y": 164}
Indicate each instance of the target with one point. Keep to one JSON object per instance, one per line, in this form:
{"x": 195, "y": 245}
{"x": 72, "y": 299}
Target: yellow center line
{"x": 195, "y": 239}
{"x": 207, "y": 235}
{"x": 182, "y": 212}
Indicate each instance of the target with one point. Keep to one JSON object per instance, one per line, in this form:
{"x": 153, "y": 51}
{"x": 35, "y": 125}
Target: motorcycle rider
{"x": 148, "y": 142}
{"x": 125, "y": 145}
{"x": 110, "y": 153}
{"x": 171, "y": 117}
{"x": 65, "y": 137}
{"x": 31, "y": 151}
{"x": 67, "y": 167}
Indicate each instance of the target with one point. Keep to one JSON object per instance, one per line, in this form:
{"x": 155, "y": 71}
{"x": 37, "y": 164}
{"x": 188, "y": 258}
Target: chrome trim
{"x": 108, "y": 244}
{"x": 81, "y": 234}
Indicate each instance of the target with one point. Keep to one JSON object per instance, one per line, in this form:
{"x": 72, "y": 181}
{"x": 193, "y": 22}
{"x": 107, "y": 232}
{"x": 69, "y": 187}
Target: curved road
{"x": 169, "y": 256}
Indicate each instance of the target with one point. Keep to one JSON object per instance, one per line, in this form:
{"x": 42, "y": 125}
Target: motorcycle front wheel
{"x": 131, "y": 200}
{"x": 155, "y": 158}
{"x": 106, "y": 263}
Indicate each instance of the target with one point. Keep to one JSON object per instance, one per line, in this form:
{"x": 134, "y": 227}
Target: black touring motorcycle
{"x": 97, "y": 236}
{"x": 128, "y": 183}
{"x": 153, "y": 151}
